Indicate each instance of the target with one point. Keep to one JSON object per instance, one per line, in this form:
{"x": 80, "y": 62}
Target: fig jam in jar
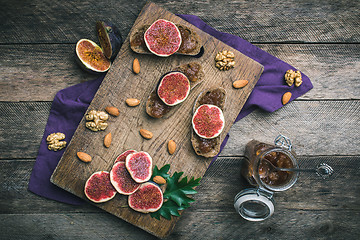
{"x": 257, "y": 204}
{"x": 258, "y": 171}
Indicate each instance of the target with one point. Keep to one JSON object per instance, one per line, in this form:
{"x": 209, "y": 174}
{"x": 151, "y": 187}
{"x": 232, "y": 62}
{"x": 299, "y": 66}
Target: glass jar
{"x": 256, "y": 204}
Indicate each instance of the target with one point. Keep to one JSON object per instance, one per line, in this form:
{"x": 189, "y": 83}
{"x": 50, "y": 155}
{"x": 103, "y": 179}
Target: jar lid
{"x": 254, "y": 204}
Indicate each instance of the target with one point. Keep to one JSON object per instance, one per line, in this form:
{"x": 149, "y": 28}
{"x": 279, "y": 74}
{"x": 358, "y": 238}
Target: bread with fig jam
{"x": 155, "y": 107}
{"x": 208, "y": 147}
{"x": 190, "y": 41}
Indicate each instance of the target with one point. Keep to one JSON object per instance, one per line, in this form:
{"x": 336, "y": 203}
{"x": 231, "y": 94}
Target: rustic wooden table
{"x": 321, "y": 38}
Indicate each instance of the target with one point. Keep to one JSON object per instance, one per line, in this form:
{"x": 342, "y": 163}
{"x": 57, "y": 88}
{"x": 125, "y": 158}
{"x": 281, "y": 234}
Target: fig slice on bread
{"x": 190, "y": 41}
{"x": 208, "y": 121}
{"x": 155, "y": 106}
{"x": 173, "y": 89}
{"x": 208, "y": 147}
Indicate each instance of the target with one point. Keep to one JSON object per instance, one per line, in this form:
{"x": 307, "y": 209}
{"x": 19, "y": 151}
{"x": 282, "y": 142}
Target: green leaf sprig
{"x": 176, "y": 194}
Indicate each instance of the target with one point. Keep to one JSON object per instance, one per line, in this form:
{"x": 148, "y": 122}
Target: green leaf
{"x": 167, "y": 209}
{"x": 176, "y": 193}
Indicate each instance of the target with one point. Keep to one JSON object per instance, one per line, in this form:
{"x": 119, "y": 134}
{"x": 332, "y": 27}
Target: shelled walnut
{"x": 96, "y": 120}
{"x": 292, "y": 76}
{"x": 224, "y": 60}
{"x": 54, "y": 141}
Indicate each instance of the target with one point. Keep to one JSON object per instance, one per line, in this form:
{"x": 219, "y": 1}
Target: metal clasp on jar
{"x": 283, "y": 142}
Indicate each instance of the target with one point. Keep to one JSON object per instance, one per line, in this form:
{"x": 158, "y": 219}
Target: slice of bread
{"x": 191, "y": 42}
{"x": 214, "y": 96}
{"x": 155, "y": 107}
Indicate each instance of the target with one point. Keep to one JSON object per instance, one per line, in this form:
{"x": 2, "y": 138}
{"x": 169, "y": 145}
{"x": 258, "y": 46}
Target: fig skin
{"x": 110, "y": 38}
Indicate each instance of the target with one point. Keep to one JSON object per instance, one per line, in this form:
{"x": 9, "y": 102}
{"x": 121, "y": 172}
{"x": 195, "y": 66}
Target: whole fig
{"x": 109, "y": 37}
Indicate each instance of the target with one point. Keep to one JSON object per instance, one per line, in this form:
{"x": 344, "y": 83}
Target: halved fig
{"x": 91, "y": 56}
{"x": 163, "y": 38}
{"x": 98, "y": 187}
{"x": 122, "y": 157}
{"x": 208, "y": 121}
{"x": 174, "y": 87}
{"x": 139, "y": 165}
{"x": 109, "y": 37}
{"x": 121, "y": 180}
{"x": 148, "y": 198}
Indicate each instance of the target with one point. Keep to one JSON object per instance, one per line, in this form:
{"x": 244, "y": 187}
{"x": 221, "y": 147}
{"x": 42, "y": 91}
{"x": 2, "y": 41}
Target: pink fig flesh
{"x": 148, "y": 198}
{"x": 98, "y": 187}
{"x": 121, "y": 179}
{"x": 139, "y": 165}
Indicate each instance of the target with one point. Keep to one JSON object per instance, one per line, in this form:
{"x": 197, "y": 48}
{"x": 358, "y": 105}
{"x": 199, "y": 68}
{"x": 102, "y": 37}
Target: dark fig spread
{"x": 192, "y": 71}
{"x": 138, "y": 39}
{"x": 205, "y": 145}
{"x": 188, "y": 42}
{"x": 215, "y": 97}
{"x": 158, "y": 108}
{"x": 275, "y": 178}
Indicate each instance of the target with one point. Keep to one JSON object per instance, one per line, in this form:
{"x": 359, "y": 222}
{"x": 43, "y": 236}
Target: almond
{"x": 146, "y": 133}
{"x": 136, "y": 66}
{"x": 240, "y": 83}
{"x": 84, "y": 156}
{"x": 107, "y": 140}
{"x": 112, "y": 111}
{"x": 132, "y": 102}
{"x": 159, "y": 180}
{"x": 286, "y": 98}
{"x": 171, "y": 146}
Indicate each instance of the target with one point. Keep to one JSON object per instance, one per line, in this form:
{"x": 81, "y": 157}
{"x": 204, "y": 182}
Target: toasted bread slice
{"x": 208, "y": 147}
{"x": 190, "y": 44}
{"x": 155, "y": 107}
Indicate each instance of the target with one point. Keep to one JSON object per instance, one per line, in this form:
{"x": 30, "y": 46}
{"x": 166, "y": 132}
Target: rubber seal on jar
{"x": 254, "y": 204}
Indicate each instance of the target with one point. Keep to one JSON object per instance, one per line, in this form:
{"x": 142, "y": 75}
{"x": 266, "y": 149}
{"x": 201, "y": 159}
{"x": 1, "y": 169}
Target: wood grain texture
{"x": 333, "y": 69}
{"x": 275, "y": 21}
{"x": 330, "y": 207}
{"x": 119, "y": 84}
{"x": 307, "y": 123}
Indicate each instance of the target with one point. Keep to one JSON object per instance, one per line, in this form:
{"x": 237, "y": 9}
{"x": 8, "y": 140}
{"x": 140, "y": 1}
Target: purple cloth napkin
{"x": 70, "y": 105}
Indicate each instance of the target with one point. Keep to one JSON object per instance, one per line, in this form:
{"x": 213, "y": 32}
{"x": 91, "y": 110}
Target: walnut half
{"x": 54, "y": 141}
{"x": 96, "y": 120}
{"x": 224, "y": 60}
{"x": 292, "y": 76}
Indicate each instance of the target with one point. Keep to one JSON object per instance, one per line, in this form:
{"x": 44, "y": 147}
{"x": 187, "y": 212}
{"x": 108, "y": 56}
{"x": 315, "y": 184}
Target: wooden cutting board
{"x": 121, "y": 83}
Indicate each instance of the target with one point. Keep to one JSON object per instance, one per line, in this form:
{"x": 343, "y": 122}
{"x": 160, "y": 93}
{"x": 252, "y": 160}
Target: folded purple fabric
{"x": 70, "y": 105}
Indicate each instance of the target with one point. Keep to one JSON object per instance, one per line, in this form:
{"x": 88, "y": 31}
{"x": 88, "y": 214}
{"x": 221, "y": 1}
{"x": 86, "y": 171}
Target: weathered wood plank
{"x": 22, "y": 128}
{"x": 37, "y": 72}
{"x": 291, "y": 225}
{"x": 308, "y": 123}
{"x": 334, "y": 210}
{"x": 315, "y": 128}
{"x": 216, "y": 192}
{"x": 263, "y": 21}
